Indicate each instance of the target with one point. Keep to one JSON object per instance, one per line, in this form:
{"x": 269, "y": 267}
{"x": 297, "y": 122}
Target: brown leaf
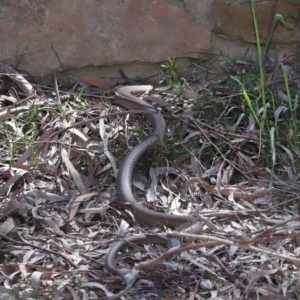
{"x": 96, "y": 81}
{"x": 75, "y": 204}
{"x": 10, "y": 268}
{"x": 186, "y": 94}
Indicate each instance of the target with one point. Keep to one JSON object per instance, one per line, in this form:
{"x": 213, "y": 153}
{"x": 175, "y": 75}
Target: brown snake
{"x": 125, "y": 98}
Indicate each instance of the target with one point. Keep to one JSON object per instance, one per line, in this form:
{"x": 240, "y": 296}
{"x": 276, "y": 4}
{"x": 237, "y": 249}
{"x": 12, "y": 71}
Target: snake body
{"x": 125, "y": 98}
{"x": 138, "y": 239}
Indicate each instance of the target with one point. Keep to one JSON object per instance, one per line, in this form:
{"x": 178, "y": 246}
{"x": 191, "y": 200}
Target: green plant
{"x": 30, "y": 127}
{"x": 259, "y": 56}
{"x": 170, "y": 72}
{"x": 247, "y": 100}
{"x": 273, "y": 155}
{"x": 277, "y": 18}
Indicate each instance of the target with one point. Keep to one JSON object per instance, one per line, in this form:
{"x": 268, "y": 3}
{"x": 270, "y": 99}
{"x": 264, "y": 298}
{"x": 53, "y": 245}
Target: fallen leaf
{"x": 96, "y": 81}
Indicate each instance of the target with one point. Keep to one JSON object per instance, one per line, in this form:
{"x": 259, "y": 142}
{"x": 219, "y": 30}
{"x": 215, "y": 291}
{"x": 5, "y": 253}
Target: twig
{"x": 213, "y": 242}
{"x": 230, "y": 276}
{"x": 38, "y": 247}
{"x": 56, "y": 87}
{"x": 93, "y": 120}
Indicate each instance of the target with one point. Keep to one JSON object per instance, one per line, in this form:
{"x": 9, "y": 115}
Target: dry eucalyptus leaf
{"x": 7, "y": 226}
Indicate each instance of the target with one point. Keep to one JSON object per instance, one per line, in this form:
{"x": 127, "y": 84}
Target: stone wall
{"x": 95, "y": 36}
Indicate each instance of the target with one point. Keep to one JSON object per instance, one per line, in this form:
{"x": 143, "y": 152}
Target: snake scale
{"x": 125, "y": 97}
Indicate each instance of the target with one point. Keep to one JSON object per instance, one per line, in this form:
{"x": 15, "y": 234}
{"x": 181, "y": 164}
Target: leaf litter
{"x": 59, "y": 211}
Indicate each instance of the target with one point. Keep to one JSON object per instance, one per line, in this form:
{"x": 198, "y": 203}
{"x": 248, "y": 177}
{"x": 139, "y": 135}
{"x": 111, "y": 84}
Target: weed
{"x": 247, "y": 100}
{"x": 261, "y": 100}
{"x": 170, "y": 75}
